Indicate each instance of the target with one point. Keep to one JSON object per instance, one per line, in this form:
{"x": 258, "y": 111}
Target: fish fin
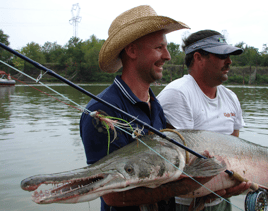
{"x": 201, "y": 167}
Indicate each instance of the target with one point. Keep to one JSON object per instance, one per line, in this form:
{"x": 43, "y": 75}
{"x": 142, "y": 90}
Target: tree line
{"x": 77, "y": 60}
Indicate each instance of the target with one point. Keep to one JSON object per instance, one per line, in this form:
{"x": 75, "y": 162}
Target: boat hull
{"x": 6, "y": 82}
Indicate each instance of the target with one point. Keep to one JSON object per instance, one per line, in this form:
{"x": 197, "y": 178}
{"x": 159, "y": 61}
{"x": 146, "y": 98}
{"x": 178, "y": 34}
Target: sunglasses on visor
{"x": 220, "y": 56}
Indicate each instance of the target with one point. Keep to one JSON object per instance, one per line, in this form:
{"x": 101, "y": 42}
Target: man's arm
{"x": 233, "y": 191}
{"x": 142, "y": 195}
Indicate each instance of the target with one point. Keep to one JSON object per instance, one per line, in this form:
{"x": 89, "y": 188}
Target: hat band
{"x": 208, "y": 42}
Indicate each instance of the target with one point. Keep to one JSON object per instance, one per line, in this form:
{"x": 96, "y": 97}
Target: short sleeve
{"x": 176, "y": 109}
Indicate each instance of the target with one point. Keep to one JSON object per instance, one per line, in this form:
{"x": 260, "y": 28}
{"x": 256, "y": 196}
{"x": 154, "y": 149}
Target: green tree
{"x": 177, "y": 56}
{"x": 264, "y": 56}
{"x": 18, "y": 62}
{"x": 250, "y": 56}
{"x": 52, "y": 52}
{"x": 238, "y": 60}
{"x": 264, "y": 60}
{"x": 5, "y": 56}
{"x": 34, "y": 52}
{"x": 91, "y": 49}
{"x": 74, "y": 57}
{"x": 264, "y": 49}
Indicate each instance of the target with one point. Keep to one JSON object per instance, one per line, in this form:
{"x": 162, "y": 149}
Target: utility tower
{"x": 76, "y": 18}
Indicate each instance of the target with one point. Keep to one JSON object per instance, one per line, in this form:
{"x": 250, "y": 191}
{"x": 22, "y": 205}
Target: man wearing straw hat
{"x": 138, "y": 44}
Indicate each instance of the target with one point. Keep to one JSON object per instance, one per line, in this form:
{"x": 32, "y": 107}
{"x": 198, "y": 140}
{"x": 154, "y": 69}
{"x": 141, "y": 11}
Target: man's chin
{"x": 158, "y": 78}
{"x": 224, "y": 78}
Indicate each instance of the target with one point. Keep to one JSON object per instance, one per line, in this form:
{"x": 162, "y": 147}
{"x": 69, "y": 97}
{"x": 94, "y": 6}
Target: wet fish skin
{"x": 132, "y": 166}
{"x": 248, "y": 159}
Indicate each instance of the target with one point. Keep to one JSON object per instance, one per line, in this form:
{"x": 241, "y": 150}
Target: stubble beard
{"x": 150, "y": 75}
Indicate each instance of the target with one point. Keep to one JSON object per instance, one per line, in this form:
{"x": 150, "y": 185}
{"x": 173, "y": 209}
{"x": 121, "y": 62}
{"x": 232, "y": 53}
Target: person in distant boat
{"x": 199, "y": 101}
{"x": 137, "y": 43}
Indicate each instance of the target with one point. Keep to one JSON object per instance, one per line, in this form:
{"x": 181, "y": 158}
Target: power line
{"x": 76, "y": 19}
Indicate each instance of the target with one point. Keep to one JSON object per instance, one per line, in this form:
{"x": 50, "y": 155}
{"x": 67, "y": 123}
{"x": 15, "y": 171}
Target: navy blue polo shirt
{"x": 94, "y": 135}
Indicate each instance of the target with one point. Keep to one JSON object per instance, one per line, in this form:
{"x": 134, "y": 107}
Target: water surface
{"x": 40, "y": 134}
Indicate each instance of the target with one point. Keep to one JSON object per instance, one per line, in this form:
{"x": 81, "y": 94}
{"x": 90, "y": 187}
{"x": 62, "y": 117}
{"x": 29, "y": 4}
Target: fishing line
{"x": 46, "y": 93}
{"x": 38, "y": 81}
{"x": 180, "y": 169}
{"x": 85, "y": 110}
{"x": 149, "y": 127}
{"x": 125, "y": 131}
{"x": 256, "y": 201}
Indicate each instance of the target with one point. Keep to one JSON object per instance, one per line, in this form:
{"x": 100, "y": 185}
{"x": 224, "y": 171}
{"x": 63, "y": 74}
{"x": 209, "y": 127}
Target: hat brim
{"x": 109, "y": 60}
{"x": 224, "y": 49}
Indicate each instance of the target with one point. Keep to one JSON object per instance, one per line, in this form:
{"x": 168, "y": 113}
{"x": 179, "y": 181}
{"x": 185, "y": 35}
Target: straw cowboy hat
{"x": 129, "y": 26}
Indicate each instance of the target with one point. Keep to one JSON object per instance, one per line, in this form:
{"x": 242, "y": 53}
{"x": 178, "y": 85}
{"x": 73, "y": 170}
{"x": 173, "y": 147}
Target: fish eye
{"x": 129, "y": 169}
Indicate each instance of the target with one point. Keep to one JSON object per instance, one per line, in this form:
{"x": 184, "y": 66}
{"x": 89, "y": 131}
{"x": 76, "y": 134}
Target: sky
{"x": 40, "y": 21}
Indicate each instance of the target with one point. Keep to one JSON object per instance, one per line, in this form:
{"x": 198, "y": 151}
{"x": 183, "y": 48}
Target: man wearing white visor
{"x": 199, "y": 101}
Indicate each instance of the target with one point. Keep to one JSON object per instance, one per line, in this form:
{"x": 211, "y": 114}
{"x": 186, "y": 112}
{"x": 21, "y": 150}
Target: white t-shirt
{"x": 187, "y": 107}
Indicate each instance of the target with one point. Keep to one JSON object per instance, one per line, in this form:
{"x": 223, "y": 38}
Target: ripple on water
{"x": 41, "y": 135}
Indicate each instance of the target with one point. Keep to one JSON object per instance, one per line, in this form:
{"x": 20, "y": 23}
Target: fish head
{"x": 127, "y": 168}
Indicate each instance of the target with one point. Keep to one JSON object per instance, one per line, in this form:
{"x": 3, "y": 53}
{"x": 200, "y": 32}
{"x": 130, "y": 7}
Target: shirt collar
{"x": 127, "y": 91}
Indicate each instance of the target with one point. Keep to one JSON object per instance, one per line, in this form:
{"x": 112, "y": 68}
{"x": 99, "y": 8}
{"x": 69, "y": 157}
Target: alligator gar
{"x": 140, "y": 166}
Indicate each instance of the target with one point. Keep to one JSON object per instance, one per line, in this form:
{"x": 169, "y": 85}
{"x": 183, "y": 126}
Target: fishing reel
{"x": 257, "y": 200}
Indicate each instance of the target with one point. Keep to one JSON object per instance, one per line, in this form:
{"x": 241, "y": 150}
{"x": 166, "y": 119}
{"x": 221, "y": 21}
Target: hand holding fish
{"x": 233, "y": 191}
{"x": 142, "y": 195}
{"x": 198, "y": 204}
{"x": 141, "y": 169}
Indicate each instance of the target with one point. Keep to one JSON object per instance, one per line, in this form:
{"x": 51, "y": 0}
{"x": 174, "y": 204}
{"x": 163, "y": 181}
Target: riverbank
{"x": 237, "y": 75}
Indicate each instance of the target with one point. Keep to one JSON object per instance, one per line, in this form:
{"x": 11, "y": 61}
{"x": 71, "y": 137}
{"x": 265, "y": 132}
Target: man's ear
{"x": 131, "y": 50}
{"x": 197, "y": 57}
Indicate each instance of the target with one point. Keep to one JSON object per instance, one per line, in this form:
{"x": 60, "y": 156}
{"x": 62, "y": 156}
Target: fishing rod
{"x": 135, "y": 119}
{"x": 252, "y": 196}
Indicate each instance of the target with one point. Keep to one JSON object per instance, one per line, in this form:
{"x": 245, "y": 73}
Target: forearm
{"x": 142, "y": 195}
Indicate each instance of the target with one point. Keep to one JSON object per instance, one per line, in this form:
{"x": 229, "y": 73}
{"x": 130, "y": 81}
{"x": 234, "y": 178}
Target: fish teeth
{"x": 36, "y": 194}
{"x": 56, "y": 188}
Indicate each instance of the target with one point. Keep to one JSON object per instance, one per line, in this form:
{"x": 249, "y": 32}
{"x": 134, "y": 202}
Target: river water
{"x": 40, "y": 135}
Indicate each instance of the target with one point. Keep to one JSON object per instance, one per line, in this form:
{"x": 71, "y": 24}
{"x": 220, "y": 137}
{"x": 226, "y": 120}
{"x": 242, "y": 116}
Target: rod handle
{"x": 238, "y": 177}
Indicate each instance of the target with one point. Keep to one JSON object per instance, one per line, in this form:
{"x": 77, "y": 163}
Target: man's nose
{"x": 166, "y": 55}
{"x": 229, "y": 60}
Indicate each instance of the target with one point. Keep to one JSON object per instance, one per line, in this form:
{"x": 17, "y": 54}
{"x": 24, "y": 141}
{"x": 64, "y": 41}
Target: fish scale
{"x": 125, "y": 168}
